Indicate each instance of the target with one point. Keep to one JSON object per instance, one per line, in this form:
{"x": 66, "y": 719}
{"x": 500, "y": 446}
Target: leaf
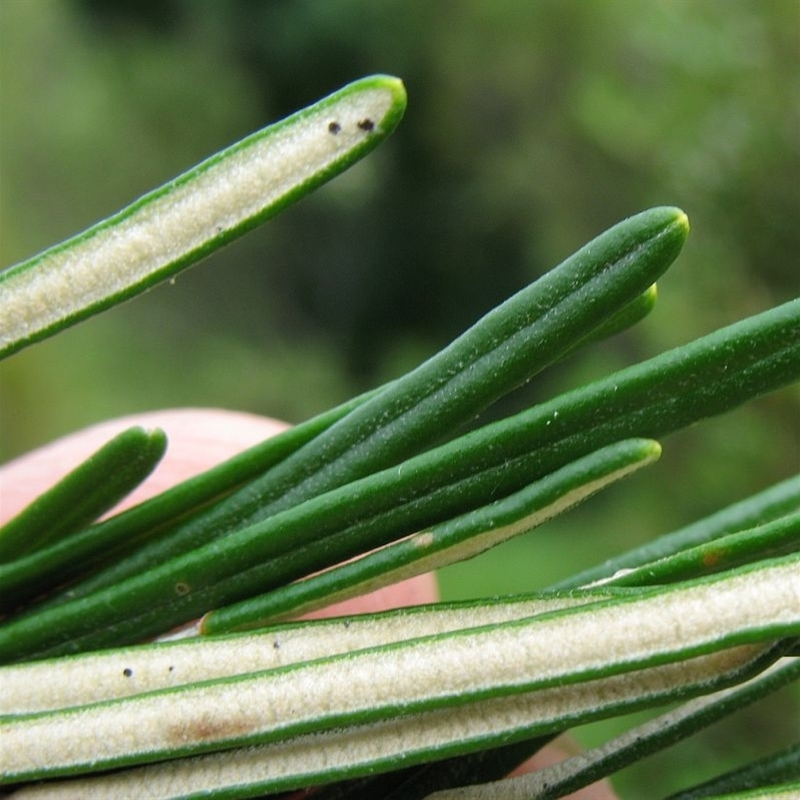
{"x": 501, "y": 351}
{"x": 87, "y": 492}
{"x": 111, "y": 674}
{"x": 93, "y": 547}
{"x": 764, "y": 541}
{"x": 463, "y": 537}
{"x": 679, "y": 387}
{"x": 592, "y": 765}
{"x": 765, "y": 506}
{"x": 778, "y": 774}
{"x": 196, "y": 213}
{"x": 468, "y": 687}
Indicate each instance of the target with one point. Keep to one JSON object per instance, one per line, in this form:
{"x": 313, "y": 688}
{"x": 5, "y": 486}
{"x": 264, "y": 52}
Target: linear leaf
{"x": 769, "y": 772}
{"x": 109, "y": 674}
{"x": 499, "y": 353}
{"x": 659, "y": 627}
{"x": 88, "y": 491}
{"x": 195, "y": 213}
{"x": 764, "y": 541}
{"x": 762, "y": 507}
{"x": 371, "y": 747}
{"x": 585, "y": 768}
{"x": 95, "y": 546}
{"x": 707, "y": 376}
{"x": 463, "y": 537}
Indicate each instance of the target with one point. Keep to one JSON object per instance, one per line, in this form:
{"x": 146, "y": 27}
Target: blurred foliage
{"x": 532, "y": 126}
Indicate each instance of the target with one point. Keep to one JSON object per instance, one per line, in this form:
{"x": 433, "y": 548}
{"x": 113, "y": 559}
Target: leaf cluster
{"x": 384, "y": 487}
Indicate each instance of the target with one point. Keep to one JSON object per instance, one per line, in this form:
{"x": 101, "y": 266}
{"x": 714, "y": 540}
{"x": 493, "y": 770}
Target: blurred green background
{"x": 532, "y": 126}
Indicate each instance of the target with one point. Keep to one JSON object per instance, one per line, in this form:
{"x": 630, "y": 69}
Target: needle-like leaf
{"x": 87, "y": 492}
{"x": 536, "y": 670}
{"x": 93, "y": 547}
{"x": 196, "y": 213}
{"x": 457, "y": 539}
{"x": 581, "y": 770}
{"x": 501, "y": 351}
{"x": 772, "y": 503}
{"x": 713, "y": 374}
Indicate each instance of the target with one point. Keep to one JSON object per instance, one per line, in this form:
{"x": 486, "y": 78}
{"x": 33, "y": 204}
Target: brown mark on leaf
{"x": 209, "y": 728}
{"x": 334, "y": 127}
{"x": 366, "y": 124}
{"x": 712, "y": 558}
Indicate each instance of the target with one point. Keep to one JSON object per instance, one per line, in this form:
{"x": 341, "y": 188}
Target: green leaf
{"x": 463, "y": 537}
{"x": 708, "y": 376}
{"x": 634, "y": 312}
{"x": 592, "y": 765}
{"x": 196, "y": 213}
{"x": 776, "y": 501}
{"x": 762, "y": 507}
{"x": 778, "y": 772}
{"x": 501, "y": 351}
{"x": 85, "y": 494}
{"x": 95, "y": 546}
{"x": 427, "y": 697}
{"x": 764, "y": 541}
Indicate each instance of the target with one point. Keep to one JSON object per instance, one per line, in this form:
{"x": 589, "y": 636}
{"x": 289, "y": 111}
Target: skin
{"x": 199, "y": 439}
